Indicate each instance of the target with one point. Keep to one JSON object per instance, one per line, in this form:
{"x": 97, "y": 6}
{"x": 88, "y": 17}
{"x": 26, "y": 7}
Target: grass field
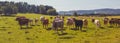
{"x": 10, "y": 32}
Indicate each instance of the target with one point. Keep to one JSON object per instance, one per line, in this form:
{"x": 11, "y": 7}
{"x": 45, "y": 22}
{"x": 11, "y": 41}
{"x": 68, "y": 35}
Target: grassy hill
{"x": 10, "y": 32}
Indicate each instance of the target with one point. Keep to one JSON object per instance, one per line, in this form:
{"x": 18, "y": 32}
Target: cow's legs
{"x": 43, "y": 26}
{"x": 81, "y": 27}
{"x": 61, "y": 30}
{"x": 56, "y": 29}
{"x": 76, "y": 27}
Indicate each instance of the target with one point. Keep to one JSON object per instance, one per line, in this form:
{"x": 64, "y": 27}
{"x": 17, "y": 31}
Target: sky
{"x": 66, "y": 5}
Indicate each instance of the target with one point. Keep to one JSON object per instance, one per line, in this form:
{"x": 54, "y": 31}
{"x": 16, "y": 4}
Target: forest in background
{"x": 12, "y": 8}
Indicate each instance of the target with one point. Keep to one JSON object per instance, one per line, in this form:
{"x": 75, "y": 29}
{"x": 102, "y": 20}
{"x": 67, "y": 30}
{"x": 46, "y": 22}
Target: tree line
{"x": 12, "y": 8}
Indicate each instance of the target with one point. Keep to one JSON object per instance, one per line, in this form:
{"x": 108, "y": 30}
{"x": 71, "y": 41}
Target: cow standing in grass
{"x": 22, "y": 21}
{"x": 58, "y": 23}
{"x": 36, "y": 21}
{"x": 45, "y": 23}
{"x": 31, "y": 21}
{"x": 70, "y": 22}
{"x": 114, "y": 21}
{"x": 93, "y": 20}
{"x": 106, "y": 20}
{"x": 85, "y": 23}
{"x": 97, "y": 23}
{"x": 78, "y": 24}
{"x": 42, "y": 18}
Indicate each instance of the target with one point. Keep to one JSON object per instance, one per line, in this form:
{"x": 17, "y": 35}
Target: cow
{"x": 36, "y": 21}
{"x": 97, "y": 23}
{"x": 19, "y": 17}
{"x": 42, "y": 18}
{"x": 85, "y": 23}
{"x": 31, "y": 21}
{"x": 114, "y": 21}
{"x": 45, "y": 23}
{"x": 93, "y": 20}
{"x": 58, "y": 23}
{"x": 22, "y": 21}
{"x": 78, "y": 24}
{"x": 106, "y": 20}
{"x": 70, "y": 22}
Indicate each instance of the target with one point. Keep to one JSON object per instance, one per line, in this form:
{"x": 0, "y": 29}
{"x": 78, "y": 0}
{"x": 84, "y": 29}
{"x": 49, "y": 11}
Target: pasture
{"x": 10, "y": 32}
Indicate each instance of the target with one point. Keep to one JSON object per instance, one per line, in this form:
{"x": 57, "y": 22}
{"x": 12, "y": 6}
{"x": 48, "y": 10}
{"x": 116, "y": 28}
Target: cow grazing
{"x": 58, "y": 23}
{"x": 114, "y": 21}
{"x": 78, "y": 24}
{"x": 22, "y": 21}
{"x": 70, "y": 22}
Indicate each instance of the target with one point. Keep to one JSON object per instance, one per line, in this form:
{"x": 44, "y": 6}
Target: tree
{"x": 75, "y": 14}
{"x": 52, "y": 12}
{"x": 9, "y": 8}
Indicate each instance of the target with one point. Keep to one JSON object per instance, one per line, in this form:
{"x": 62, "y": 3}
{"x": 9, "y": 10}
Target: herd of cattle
{"x": 58, "y": 22}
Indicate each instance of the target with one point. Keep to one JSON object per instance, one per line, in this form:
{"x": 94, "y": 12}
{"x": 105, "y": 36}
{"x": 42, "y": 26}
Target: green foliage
{"x": 10, "y": 8}
{"x": 51, "y": 12}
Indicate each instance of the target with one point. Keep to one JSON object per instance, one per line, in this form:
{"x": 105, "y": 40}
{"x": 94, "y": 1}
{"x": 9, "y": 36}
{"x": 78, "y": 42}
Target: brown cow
{"x": 93, "y": 20}
{"x": 36, "y": 21}
{"x": 45, "y": 23}
{"x": 70, "y": 22}
{"x": 42, "y": 18}
{"x": 114, "y": 21}
{"x": 85, "y": 23}
{"x": 106, "y": 20}
{"x": 58, "y": 23}
{"x": 22, "y": 21}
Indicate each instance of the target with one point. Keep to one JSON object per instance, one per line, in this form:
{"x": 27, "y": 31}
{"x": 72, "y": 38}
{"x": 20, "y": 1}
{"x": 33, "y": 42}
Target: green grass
{"x": 10, "y": 32}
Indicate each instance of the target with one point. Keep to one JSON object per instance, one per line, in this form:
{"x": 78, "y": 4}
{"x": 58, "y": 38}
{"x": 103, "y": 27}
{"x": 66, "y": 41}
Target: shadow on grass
{"x": 3, "y": 29}
{"x": 75, "y": 29}
{"x": 26, "y": 28}
{"x": 110, "y": 26}
{"x": 66, "y": 37}
{"x": 102, "y": 27}
{"x": 78, "y": 30}
{"x": 62, "y": 34}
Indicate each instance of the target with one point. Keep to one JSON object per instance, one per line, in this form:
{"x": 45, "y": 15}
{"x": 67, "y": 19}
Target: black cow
{"x": 78, "y": 24}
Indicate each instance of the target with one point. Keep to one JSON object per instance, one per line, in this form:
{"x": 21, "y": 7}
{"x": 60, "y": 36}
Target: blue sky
{"x": 65, "y": 5}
